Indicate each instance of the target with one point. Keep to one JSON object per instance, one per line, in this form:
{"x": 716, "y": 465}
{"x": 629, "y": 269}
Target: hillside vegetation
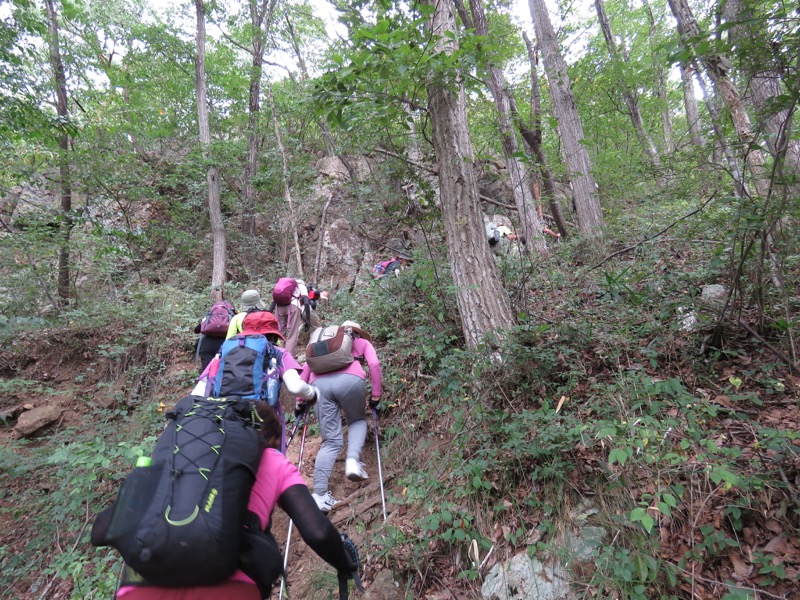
{"x": 609, "y": 396}
{"x": 606, "y": 401}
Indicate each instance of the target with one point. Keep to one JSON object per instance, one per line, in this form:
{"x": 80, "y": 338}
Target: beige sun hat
{"x": 251, "y": 299}
{"x": 357, "y": 329}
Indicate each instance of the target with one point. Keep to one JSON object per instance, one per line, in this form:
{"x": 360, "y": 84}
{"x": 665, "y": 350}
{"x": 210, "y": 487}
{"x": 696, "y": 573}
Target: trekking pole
{"x": 294, "y": 430}
{"x": 289, "y": 533}
{"x": 380, "y": 469}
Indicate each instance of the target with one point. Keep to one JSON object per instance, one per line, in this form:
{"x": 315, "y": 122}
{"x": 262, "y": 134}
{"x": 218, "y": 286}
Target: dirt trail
{"x": 359, "y": 510}
{"x": 309, "y": 576}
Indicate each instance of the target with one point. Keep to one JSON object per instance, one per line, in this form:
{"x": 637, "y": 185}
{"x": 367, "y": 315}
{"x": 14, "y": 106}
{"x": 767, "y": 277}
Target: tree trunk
{"x": 628, "y": 95}
{"x": 570, "y": 129}
{"x": 219, "y": 257}
{"x": 660, "y": 80}
{"x": 764, "y": 82}
{"x": 260, "y": 24}
{"x": 65, "y": 183}
{"x": 520, "y": 181}
{"x": 717, "y": 67}
{"x": 719, "y": 132}
{"x": 327, "y": 136}
{"x": 483, "y": 304}
{"x": 287, "y": 192}
{"x": 690, "y": 106}
{"x": 533, "y": 139}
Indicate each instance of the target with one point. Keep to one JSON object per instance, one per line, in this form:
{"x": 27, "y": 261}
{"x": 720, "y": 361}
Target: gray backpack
{"x": 329, "y": 349}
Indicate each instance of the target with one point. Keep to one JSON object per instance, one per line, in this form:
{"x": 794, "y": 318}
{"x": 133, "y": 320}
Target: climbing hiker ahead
{"x": 195, "y": 523}
{"x": 340, "y": 379}
{"x": 392, "y": 266}
{"x": 291, "y": 307}
{"x": 251, "y": 302}
{"x": 252, "y": 365}
{"x": 213, "y": 329}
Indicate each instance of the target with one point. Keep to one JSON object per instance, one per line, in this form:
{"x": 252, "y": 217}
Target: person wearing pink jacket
{"x": 343, "y": 390}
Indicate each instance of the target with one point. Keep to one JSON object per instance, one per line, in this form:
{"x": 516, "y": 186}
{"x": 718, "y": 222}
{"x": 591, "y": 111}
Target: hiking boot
{"x": 324, "y": 502}
{"x": 354, "y": 470}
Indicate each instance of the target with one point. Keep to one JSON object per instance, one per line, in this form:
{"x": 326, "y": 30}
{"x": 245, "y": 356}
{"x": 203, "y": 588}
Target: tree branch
{"x": 667, "y": 228}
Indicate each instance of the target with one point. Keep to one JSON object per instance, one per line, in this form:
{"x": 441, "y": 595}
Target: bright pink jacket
{"x": 362, "y": 350}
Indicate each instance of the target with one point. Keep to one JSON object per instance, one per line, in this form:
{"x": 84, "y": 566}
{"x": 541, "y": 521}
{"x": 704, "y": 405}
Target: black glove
{"x": 375, "y": 405}
{"x": 300, "y": 408}
{"x": 353, "y": 564}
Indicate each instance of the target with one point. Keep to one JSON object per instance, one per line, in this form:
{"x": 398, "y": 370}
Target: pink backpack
{"x": 283, "y": 292}
{"x": 217, "y": 320}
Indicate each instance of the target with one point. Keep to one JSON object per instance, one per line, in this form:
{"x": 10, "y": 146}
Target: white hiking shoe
{"x": 325, "y": 502}
{"x": 354, "y": 470}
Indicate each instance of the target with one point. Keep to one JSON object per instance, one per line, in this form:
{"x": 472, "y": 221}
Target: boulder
{"x": 31, "y": 421}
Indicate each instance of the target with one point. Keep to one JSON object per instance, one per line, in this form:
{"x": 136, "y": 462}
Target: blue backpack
{"x": 248, "y": 368}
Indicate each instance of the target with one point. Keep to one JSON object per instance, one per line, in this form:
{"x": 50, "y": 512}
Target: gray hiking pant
{"x": 339, "y": 392}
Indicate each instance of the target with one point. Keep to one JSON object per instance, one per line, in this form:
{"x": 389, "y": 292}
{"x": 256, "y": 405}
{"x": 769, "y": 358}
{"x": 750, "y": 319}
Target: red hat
{"x": 261, "y": 322}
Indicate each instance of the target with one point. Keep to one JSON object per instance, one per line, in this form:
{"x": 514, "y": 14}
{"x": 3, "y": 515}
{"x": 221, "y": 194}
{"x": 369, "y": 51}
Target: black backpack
{"x": 183, "y": 521}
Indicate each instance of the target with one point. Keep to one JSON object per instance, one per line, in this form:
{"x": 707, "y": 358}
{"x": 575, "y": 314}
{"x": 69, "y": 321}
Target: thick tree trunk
{"x": 628, "y": 95}
{"x": 219, "y": 257}
{"x": 520, "y": 180}
{"x": 483, "y": 304}
{"x": 570, "y": 129}
{"x": 65, "y": 183}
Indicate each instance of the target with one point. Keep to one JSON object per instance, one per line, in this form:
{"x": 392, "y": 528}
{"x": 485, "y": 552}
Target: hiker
{"x": 287, "y": 368}
{"x": 314, "y": 296}
{"x": 343, "y": 390}
{"x": 291, "y": 308}
{"x": 496, "y": 234}
{"x": 212, "y": 328}
{"x": 277, "y": 482}
{"x": 392, "y": 266}
{"x": 251, "y": 301}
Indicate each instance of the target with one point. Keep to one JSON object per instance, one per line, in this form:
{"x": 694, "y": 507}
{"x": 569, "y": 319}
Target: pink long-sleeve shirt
{"x": 362, "y": 349}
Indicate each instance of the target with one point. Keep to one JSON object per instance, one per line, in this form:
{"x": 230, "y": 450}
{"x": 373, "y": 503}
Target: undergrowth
{"x": 605, "y": 404}
{"x": 605, "y": 412}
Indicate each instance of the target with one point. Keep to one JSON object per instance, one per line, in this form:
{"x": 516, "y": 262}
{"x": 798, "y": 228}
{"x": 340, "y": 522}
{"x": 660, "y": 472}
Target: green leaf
{"x": 619, "y": 455}
{"x": 647, "y": 523}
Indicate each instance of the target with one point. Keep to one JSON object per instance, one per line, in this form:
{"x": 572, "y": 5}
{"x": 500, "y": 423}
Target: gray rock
{"x": 688, "y": 319}
{"x": 582, "y": 546}
{"x": 714, "y": 294}
{"x": 384, "y": 587}
{"x": 30, "y": 421}
{"x": 524, "y": 578}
